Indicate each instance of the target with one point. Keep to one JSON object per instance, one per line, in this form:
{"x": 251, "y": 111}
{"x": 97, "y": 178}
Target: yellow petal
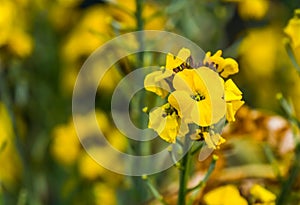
{"x": 182, "y": 102}
{"x": 232, "y": 92}
{"x": 175, "y": 61}
{"x": 209, "y": 83}
{"x": 184, "y": 81}
{"x": 229, "y": 67}
{"x": 202, "y": 113}
{"x": 232, "y": 107}
{"x": 155, "y": 82}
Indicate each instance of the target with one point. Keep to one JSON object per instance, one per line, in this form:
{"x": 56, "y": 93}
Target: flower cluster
{"x": 198, "y": 97}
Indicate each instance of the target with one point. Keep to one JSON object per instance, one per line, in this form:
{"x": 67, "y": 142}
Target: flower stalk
{"x": 184, "y": 173}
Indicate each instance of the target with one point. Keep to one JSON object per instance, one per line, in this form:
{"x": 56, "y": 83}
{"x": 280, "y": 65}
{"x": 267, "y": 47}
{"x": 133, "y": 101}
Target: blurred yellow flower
{"x": 262, "y": 195}
{"x": 233, "y": 100}
{"x": 292, "y": 30}
{"x": 104, "y": 194}
{"x": 123, "y": 13}
{"x": 89, "y": 168}
{"x": 7, "y": 17}
{"x": 11, "y": 167}
{"x": 253, "y": 9}
{"x": 65, "y": 146}
{"x": 65, "y": 10}
{"x": 13, "y": 29}
{"x": 198, "y": 96}
{"x": 224, "y": 67}
{"x": 20, "y": 43}
{"x": 224, "y": 195}
{"x": 90, "y": 32}
{"x": 258, "y": 51}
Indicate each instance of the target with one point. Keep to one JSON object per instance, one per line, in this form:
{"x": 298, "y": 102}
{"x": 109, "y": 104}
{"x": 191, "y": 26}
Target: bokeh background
{"x": 43, "y": 45}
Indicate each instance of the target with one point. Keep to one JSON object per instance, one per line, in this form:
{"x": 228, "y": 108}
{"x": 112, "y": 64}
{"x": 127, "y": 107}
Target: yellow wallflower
{"x": 65, "y": 145}
{"x": 11, "y": 167}
{"x": 263, "y": 195}
{"x": 198, "y": 96}
{"x": 224, "y": 195}
{"x": 293, "y": 32}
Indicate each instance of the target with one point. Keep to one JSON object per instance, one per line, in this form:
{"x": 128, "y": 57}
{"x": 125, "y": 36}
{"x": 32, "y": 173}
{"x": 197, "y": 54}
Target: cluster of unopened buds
{"x": 198, "y": 98}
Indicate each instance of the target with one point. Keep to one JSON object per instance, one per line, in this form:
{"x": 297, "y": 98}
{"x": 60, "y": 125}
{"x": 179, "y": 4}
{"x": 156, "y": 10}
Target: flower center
{"x": 169, "y": 110}
{"x": 198, "y": 97}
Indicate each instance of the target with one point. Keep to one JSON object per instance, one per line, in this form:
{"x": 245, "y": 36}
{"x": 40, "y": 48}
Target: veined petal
{"x": 209, "y": 83}
{"x": 184, "y": 81}
{"x": 182, "y": 102}
{"x": 201, "y": 113}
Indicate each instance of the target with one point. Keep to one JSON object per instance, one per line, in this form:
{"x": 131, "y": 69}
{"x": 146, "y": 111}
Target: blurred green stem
{"x": 140, "y": 27}
{"x": 154, "y": 191}
{"x": 184, "y": 173}
{"x": 272, "y": 160}
{"x": 288, "y": 184}
{"x": 6, "y": 97}
{"x": 210, "y": 170}
{"x": 139, "y": 189}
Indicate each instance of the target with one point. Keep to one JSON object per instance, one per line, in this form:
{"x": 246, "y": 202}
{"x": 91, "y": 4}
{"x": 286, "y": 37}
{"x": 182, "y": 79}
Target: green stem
{"x": 184, "y": 173}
